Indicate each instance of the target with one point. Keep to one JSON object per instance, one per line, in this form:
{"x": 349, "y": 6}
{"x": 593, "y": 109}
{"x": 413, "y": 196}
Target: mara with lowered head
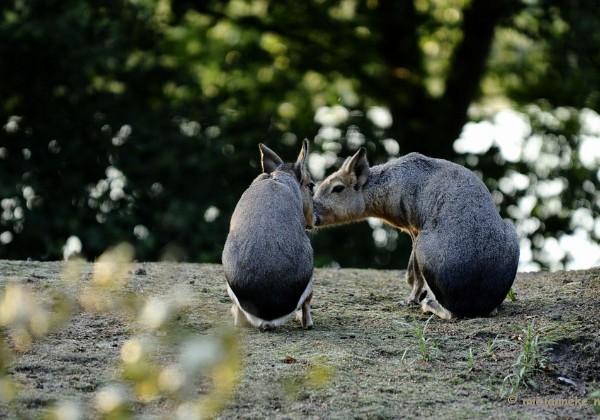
{"x": 464, "y": 255}
{"x": 268, "y": 258}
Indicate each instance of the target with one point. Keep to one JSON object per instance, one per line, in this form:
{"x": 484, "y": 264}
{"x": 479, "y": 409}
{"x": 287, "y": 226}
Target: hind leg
{"x": 426, "y": 261}
{"x": 434, "y": 307}
{"x": 239, "y": 319}
{"x": 303, "y": 315}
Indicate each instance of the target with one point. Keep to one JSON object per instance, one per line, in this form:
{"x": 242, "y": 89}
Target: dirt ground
{"x": 367, "y": 357}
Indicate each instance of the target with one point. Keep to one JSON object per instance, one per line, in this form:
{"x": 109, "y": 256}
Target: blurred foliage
{"x": 142, "y": 376}
{"x": 139, "y": 120}
{"x": 550, "y": 187}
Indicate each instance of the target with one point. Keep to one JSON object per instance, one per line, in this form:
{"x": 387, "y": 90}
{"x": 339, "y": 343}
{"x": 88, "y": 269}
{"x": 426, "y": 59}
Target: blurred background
{"x": 138, "y": 120}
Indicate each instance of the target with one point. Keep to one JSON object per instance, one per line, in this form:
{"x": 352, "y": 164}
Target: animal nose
{"x": 317, "y": 220}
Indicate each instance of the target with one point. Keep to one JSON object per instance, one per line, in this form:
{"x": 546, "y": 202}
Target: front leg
{"x": 414, "y": 279}
{"x": 417, "y": 290}
{"x": 410, "y": 270}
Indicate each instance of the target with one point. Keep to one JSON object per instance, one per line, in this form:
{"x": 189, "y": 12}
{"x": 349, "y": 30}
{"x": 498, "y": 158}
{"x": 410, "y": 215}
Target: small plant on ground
{"x": 471, "y": 359}
{"x": 531, "y": 359}
{"x": 403, "y": 359}
{"x": 425, "y": 344}
{"x": 491, "y": 344}
{"x": 512, "y": 295}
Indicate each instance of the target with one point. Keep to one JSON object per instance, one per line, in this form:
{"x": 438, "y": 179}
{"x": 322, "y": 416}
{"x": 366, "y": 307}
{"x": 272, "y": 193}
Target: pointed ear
{"x": 346, "y": 161}
{"x": 300, "y": 165}
{"x": 358, "y": 165}
{"x": 269, "y": 159}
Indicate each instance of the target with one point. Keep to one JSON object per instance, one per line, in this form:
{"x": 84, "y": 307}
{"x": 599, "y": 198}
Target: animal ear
{"x": 269, "y": 159}
{"x": 358, "y": 165}
{"x": 300, "y": 165}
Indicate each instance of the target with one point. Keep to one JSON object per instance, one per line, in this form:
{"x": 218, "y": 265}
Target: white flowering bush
{"x": 140, "y": 377}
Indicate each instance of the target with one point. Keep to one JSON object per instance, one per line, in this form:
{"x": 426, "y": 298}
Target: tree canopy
{"x": 138, "y": 120}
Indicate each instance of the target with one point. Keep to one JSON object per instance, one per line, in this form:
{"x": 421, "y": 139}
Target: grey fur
{"x": 268, "y": 258}
{"x": 464, "y": 255}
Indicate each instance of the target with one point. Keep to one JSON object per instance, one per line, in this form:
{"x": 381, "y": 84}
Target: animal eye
{"x": 338, "y": 188}
{"x": 311, "y": 186}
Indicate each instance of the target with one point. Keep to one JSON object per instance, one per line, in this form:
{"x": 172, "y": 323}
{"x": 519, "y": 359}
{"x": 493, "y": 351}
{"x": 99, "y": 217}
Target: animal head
{"x": 340, "y": 197}
{"x": 271, "y": 162}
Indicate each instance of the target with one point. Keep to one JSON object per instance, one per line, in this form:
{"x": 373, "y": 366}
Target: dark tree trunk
{"x": 432, "y": 124}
